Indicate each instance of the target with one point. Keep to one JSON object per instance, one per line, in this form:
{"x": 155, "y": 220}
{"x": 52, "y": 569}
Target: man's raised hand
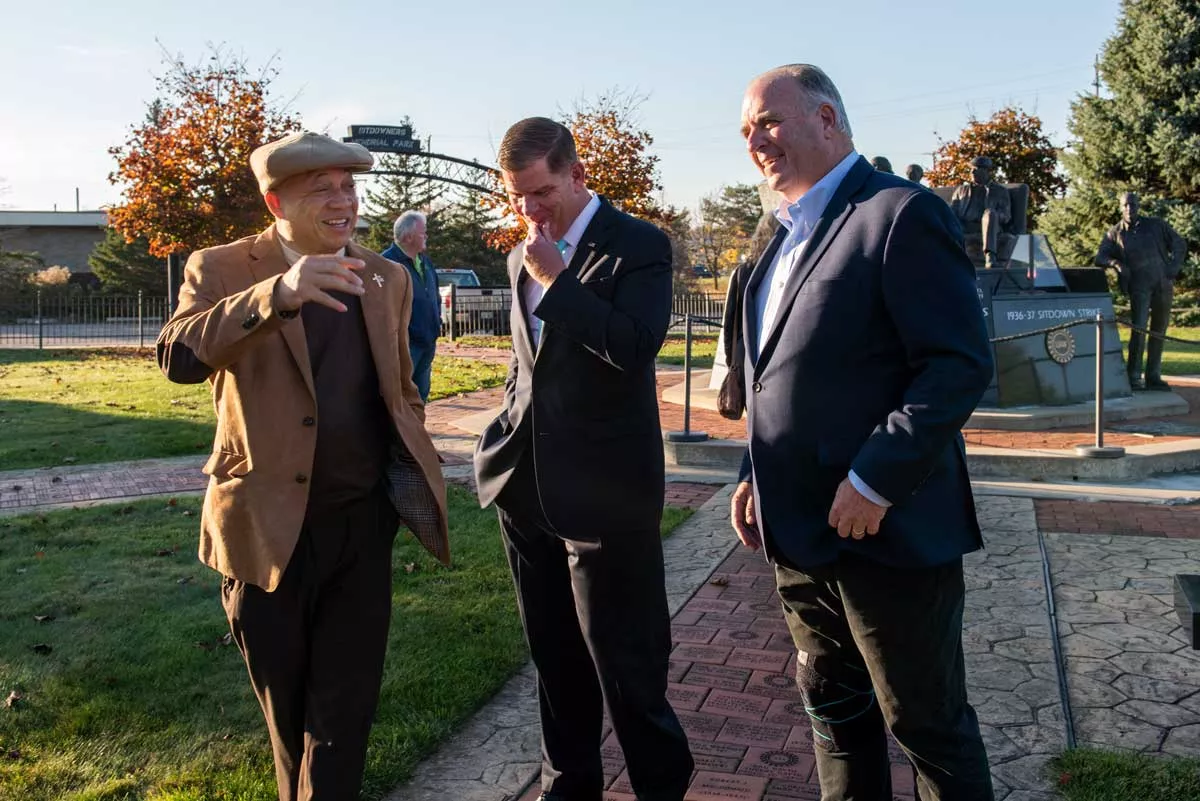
{"x": 311, "y": 278}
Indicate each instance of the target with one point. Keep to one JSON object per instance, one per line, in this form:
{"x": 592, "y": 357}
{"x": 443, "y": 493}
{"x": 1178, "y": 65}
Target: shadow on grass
{"x": 49, "y": 434}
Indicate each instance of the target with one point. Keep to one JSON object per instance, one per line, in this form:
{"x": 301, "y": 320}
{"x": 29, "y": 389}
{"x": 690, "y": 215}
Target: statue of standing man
{"x": 1147, "y": 254}
{"x": 984, "y": 208}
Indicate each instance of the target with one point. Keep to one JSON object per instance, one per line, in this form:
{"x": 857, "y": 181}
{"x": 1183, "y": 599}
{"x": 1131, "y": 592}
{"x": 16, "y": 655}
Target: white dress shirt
{"x": 800, "y": 218}
{"x": 533, "y": 290}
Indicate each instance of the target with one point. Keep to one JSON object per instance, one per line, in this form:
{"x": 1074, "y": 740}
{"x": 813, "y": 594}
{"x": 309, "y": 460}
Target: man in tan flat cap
{"x": 320, "y": 453}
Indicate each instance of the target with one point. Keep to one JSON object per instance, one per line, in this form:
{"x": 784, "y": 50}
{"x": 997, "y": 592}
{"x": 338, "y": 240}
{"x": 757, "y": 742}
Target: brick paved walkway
{"x": 1106, "y": 517}
{"x": 731, "y": 685}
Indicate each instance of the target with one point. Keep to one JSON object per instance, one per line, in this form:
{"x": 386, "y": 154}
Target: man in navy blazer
{"x": 865, "y": 354}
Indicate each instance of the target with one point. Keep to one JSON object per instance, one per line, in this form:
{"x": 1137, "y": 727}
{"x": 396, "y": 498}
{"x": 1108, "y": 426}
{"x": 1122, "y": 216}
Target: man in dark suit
{"x": 574, "y": 464}
{"x": 865, "y": 354}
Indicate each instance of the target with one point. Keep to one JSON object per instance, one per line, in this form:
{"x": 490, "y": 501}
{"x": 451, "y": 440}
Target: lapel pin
{"x": 378, "y": 279}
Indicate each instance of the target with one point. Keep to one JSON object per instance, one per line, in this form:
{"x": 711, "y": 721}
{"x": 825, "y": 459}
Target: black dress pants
{"x": 595, "y": 617}
{"x": 315, "y": 647}
{"x": 879, "y": 649}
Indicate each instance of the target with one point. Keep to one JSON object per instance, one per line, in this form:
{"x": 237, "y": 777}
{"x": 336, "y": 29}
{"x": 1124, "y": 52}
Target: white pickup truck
{"x": 478, "y": 310}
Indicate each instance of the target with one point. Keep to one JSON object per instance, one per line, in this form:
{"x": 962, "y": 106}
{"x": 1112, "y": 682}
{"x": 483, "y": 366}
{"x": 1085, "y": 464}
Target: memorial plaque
{"x": 790, "y": 713}
{"x": 800, "y": 739}
{"x": 773, "y": 685}
{"x": 686, "y": 618}
{"x": 687, "y": 697}
{"x": 760, "y": 607}
{"x": 711, "y": 605}
{"x": 718, "y": 677}
{"x": 718, "y": 749}
{"x": 771, "y": 625}
{"x": 729, "y": 620}
{"x": 755, "y": 735}
{"x": 736, "y": 705}
{"x": 771, "y": 661}
{"x": 714, "y": 654}
{"x": 717, "y": 763}
{"x": 753, "y": 594}
{"x": 700, "y": 726}
{"x": 693, "y": 634}
{"x": 1036, "y": 369}
{"x": 778, "y": 764}
{"x": 709, "y": 786}
{"x": 610, "y": 750}
{"x": 785, "y": 790}
{"x": 742, "y": 639}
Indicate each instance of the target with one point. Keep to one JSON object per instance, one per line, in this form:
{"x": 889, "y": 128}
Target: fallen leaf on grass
{"x": 69, "y": 460}
{"x": 41, "y": 648}
{"x": 184, "y": 580}
{"x": 219, "y": 642}
{"x": 123, "y": 510}
{"x": 13, "y": 699}
{"x": 14, "y": 754}
{"x": 39, "y": 554}
{"x": 164, "y": 552}
{"x": 411, "y": 567}
{"x": 188, "y": 513}
{"x": 43, "y": 618}
{"x": 172, "y": 502}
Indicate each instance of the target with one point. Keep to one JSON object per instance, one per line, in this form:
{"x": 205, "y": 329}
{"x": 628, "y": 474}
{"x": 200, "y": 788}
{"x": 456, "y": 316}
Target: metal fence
{"x": 43, "y": 320}
{"x": 46, "y": 320}
{"x": 699, "y": 305}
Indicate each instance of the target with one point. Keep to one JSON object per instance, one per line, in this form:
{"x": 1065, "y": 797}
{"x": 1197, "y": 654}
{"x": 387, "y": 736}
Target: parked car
{"x": 478, "y": 310}
{"x": 459, "y": 277}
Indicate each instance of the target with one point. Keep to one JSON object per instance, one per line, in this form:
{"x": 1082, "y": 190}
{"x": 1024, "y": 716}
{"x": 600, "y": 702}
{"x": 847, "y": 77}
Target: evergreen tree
{"x": 1144, "y": 135}
{"x": 124, "y": 268}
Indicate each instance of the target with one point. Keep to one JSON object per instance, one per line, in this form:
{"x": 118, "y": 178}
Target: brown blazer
{"x": 226, "y": 331}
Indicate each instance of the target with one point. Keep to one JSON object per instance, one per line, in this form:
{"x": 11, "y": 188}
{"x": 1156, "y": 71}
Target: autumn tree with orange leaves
{"x": 1017, "y": 147}
{"x": 614, "y": 153}
{"x": 186, "y": 169}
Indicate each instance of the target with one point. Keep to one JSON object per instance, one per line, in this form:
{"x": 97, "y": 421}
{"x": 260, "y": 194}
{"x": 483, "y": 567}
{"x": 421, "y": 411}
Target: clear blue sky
{"x": 75, "y": 74}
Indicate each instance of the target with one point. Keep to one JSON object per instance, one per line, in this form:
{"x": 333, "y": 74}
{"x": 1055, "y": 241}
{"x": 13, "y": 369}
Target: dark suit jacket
{"x": 877, "y": 358}
{"x": 586, "y": 401}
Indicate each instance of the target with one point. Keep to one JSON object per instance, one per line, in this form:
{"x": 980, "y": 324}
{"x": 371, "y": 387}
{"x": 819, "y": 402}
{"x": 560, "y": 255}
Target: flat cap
{"x": 982, "y": 161}
{"x": 275, "y": 162}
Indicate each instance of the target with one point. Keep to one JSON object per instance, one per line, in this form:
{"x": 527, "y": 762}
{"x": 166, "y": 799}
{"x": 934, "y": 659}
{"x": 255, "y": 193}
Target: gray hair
{"x": 406, "y": 223}
{"x": 818, "y": 88}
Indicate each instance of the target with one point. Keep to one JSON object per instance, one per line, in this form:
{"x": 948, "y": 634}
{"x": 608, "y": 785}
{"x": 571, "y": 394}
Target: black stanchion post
{"x": 39, "y": 318}
{"x": 141, "y": 324}
{"x": 1099, "y": 450}
{"x": 453, "y": 312}
{"x": 687, "y": 435}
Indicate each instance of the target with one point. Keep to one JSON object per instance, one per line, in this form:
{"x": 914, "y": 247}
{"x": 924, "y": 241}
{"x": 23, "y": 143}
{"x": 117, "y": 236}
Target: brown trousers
{"x": 315, "y": 648}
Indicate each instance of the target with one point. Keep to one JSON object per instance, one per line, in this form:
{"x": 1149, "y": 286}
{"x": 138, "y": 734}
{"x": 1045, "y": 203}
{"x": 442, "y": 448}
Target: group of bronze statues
{"x": 1146, "y": 253}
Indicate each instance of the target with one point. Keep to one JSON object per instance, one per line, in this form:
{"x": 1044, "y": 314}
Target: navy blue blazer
{"x": 878, "y": 356}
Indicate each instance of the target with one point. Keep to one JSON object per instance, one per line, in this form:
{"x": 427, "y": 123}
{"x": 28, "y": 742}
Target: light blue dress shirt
{"x": 800, "y": 218}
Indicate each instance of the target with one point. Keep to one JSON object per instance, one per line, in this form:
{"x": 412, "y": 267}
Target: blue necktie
{"x": 537, "y": 322}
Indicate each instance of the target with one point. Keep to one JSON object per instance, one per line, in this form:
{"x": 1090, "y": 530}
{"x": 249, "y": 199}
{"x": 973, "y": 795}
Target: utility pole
{"x": 1096, "y": 82}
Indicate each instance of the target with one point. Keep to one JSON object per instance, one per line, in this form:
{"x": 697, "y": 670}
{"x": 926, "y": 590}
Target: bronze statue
{"x": 1147, "y": 254}
{"x": 914, "y": 173}
{"x": 882, "y": 164}
{"x": 985, "y": 211}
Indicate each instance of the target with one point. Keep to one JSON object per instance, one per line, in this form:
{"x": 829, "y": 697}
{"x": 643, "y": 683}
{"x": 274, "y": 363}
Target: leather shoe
{"x": 1137, "y": 385}
{"x": 1157, "y": 385}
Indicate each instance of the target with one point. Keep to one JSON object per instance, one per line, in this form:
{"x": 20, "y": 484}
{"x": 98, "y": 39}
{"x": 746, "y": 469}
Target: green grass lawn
{"x": 704, "y": 349}
{"x": 1090, "y": 775}
{"x": 1178, "y": 359}
{"x": 111, "y": 635}
{"x": 68, "y": 407}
